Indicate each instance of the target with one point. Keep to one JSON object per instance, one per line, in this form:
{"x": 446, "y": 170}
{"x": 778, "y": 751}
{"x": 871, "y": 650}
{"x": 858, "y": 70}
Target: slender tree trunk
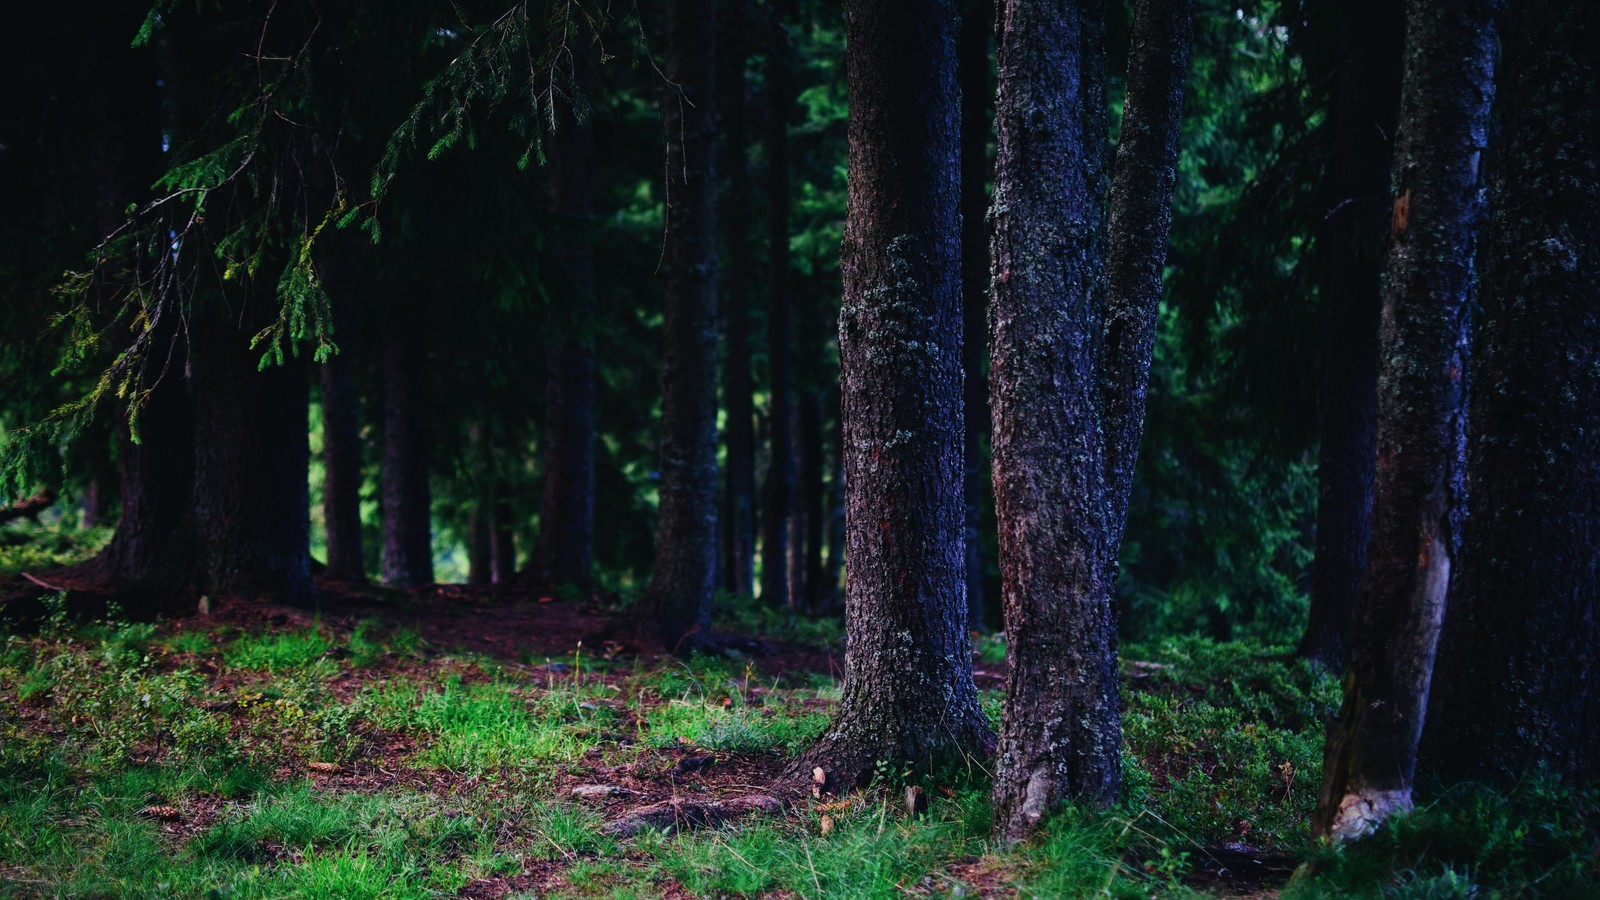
{"x": 739, "y": 480}
{"x": 810, "y": 494}
{"x": 909, "y": 698}
{"x": 1060, "y": 737}
{"x": 341, "y": 433}
{"x": 251, "y": 453}
{"x": 1444, "y": 119}
{"x": 1365, "y": 97}
{"x": 565, "y": 550}
{"x": 1140, "y": 223}
{"x": 676, "y": 607}
{"x": 778, "y": 495}
{"x": 1519, "y": 647}
{"x": 407, "y": 507}
{"x": 977, "y": 124}
{"x": 503, "y": 537}
{"x": 480, "y": 518}
{"x": 833, "y": 573}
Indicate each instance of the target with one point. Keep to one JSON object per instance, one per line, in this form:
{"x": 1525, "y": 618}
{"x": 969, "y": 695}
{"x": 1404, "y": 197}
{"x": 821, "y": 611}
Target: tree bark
{"x": 341, "y": 432}
{"x": 739, "y": 479}
{"x": 1519, "y": 647}
{"x": 152, "y": 548}
{"x": 1146, "y": 171}
{"x": 564, "y": 553}
{"x": 810, "y": 500}
{"x": 1444, "y": 116}
{"x": 909, "y": 698}
{"x": 1365, "y": 96}
{"x": 833, "y": 571}
{"x": 1061, "y": 736}
{"x": 676, "y": 607}
{"x": 251, "y": 453}
{"x": 407, "y": 507}
{"x": 778, "y": 495}
{"x": 503, "y": 537}
{"x": 153, "y": 545}
{"x": 977, "y": 123}
{"x": 480, "y": 518}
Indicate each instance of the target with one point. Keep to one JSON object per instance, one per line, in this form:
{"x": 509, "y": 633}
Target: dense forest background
{"x": 1221, "y": 525}
{"x": 769, "y": 449}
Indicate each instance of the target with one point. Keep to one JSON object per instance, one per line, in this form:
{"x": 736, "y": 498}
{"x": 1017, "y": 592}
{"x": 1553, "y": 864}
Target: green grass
{"x": 103, "y": 720}
{"x": 280, "y": 652}
{"x": 484, "y": 727}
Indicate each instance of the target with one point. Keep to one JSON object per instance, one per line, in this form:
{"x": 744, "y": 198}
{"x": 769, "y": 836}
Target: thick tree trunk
{"x": 251, "y": 453}
{"x": 407, "y": 507}
{"x": 341, "y": 433}
{"x": 564, "y": 553}
{"x": 977, "y": 124}
{"x": 1061, "y": 737}
{"x": 777, "y": 499}
{"x": 151, "y": 547}
{"x": 739, "y": 439}
{"x": 676, "y": 607}
{"x": 1365, "y": 97}
{"x": 909, "y": 698}
{"x": 1140, "y": 223}
{"x": 1519, "y": 647}
{"x": 1444, "y": 120}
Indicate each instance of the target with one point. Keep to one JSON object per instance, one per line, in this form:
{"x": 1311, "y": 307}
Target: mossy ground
{"x": 270, "y": 752}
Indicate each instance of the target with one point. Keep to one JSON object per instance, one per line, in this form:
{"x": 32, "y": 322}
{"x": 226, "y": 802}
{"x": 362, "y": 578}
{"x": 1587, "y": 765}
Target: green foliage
{"x": 31, "y": 547}
{"x": 1219, "y": 532}
{"x": 1539, "y": 840}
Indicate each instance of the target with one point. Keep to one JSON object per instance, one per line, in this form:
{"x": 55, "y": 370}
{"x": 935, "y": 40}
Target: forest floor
{"x": 464, "y": 742}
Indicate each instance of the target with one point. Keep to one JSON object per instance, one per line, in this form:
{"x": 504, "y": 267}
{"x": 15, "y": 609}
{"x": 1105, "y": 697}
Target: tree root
{"x": 680, "y": 814}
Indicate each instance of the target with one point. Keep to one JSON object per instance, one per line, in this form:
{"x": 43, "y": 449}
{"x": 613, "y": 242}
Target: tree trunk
{"x": 1519, "y": 647}
{"x": 251, "y": 453}
{"x": 810, "y": 498}
{"x": 152, "y": 548}
{"x": 739, "y": 481}
{"x": 833, "y": 573}
{"x": 480, "y": 518}
{"x": 777, "y": 499}
{"x": 1060, "y": 737}
{"x": 341, "y": 432}
{"x": 503, "y": 537}
{"x": 1140, "y": 224}
{"x": 407, "y": 509}
{"x": 676, "y": 607}
{"x": 909, "y": 698}
{"x": 1365, "y": 96}
{"x": 1444, "y": 116}
{"x": 977, "y": 123}
{"x": 564, "y": 553}
{"x": 153, "y": 545}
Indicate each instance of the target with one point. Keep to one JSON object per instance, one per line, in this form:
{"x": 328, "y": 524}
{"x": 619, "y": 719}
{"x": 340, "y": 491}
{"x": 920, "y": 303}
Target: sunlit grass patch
{"x": 871, "y": 850}
{"x": 281, "y": 651}
{"x": 476, "y": 728}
